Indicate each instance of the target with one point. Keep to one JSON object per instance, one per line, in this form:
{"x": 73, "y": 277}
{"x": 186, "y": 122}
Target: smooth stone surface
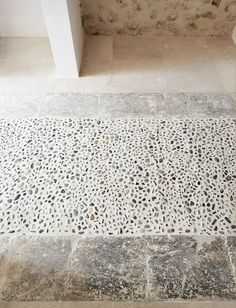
{"x": 123, "y": 64}
{"x": 148, "y": 268}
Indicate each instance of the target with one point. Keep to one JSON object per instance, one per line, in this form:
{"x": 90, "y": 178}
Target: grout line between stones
{"x": 233, "y": 269}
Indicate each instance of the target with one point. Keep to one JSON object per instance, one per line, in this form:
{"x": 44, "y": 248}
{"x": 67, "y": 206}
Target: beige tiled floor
{"x": 123, "y": 64}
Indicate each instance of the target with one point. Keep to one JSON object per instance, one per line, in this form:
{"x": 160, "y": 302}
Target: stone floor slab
{"x": 118, "y": 105}
{"x": 210, "y": 273}
{"x": 168, "y": 259}
{"x": 189, "y": 268}
{"x": 149, "y": 268}
{"x": 102, "y": 304}
{"x": 231, "y": 241}
{"x": 33, "y": 268}
{"x": 107, "y": 269}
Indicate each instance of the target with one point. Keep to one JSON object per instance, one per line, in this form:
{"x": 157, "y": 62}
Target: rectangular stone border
{"x": 148, "y": 268}
{"x": 127, "y": 304}
{"x": 118, "y": 105}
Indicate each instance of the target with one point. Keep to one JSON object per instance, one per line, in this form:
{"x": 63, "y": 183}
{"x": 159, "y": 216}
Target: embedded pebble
{"x": 110, "y": 177}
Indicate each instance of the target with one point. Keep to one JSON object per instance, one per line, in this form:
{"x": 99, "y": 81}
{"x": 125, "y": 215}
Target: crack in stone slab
{"x": 231, "y": 244}
{"x": 115, "y": 268}
{"x": 117, "y": 177}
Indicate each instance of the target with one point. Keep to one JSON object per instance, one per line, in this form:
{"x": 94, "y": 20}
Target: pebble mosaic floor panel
{"x": 117, "y": 177}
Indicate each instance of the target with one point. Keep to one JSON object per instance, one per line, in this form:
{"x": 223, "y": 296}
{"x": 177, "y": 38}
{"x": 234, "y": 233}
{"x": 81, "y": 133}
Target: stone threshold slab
{"x": 118, "y": 105}
{"x": 149, "y": 268}
{"x": 103, "y": 304}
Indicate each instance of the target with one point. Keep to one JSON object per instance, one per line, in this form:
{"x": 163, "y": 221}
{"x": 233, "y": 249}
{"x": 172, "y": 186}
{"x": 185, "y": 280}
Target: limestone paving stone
{"x": 115, "y": 268}
{"x": 118, "y": 105}
{"x": 189, "y": 268}
{"x": 33, "y": 268}
{"x": 168, "y": 259}
{"x": 210, "y": 273}
{"x": 107, "y": 268}
{"x": 127, "y": 104}
{"x": 22, "y": 105}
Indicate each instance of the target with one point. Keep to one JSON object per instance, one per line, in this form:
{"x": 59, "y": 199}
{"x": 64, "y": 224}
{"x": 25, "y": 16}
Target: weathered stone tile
{"x": 195, "y": 105}
{"x": 209, "y": 105}
{"x": 19, "y": 105}
{"x": 170, "y": 105}
{"x": 189, "y": 268}
{"x": 108, "y": 269}
{"x": 48, "y": 105}
{"x": 168, "y": 258}
{"x": 231, "y": 242}
{"x": 154, "y": 105}
{"x": 210, "y": 273}
{"x": 167, "y": 105}
{"x": 4, "y": 242}
{"x": 34, "y": 268}
{"x": 126, "y": 105}
{"x": 69, "y": 105}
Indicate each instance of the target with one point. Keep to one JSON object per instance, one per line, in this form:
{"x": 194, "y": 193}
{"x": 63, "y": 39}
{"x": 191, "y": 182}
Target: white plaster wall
{"x": 76, "y": 28}
{"x": 21, "y": 18}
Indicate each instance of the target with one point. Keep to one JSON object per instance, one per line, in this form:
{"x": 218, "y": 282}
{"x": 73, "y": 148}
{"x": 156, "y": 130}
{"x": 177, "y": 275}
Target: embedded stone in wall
{"x": 159, "y": 17}
{"x": 226, "y": 19}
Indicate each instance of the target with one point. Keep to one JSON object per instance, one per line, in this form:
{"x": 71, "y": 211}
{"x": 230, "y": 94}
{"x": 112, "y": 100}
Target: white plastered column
{"x": 64, "y": 26}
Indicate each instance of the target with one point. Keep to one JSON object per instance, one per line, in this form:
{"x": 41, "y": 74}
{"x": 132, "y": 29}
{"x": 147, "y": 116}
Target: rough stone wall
{"x": 159, "y": 17}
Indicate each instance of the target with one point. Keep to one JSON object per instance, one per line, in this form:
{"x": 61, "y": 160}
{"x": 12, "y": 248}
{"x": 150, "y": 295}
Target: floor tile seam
{"x": 229, "y": 254}
{"x": 126, "y": 118}
{"x": 101, "y": 93}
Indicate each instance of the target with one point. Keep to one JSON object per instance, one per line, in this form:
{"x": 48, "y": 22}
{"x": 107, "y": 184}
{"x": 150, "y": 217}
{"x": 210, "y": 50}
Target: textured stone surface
{"x": 168, "y": 261}
{"x": 120, "y": 304}
{"x": 33, "y": 268}
{"x": 159, "y": 17}
{"x": 116, "y": 268}
{"x": 119, "y": 105}
{"x": 48, "y": 104}
{"x": 231, "y": 241}
{"x": 168, "y": 105}
{"x": 189, "y": 268}
{"x": 128, "y": 105}
{"x": 127, "y": 176}
{"x": 226, "y": 19}
{"x": 107, "y": 269}
{"x": 210, "y": 272}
